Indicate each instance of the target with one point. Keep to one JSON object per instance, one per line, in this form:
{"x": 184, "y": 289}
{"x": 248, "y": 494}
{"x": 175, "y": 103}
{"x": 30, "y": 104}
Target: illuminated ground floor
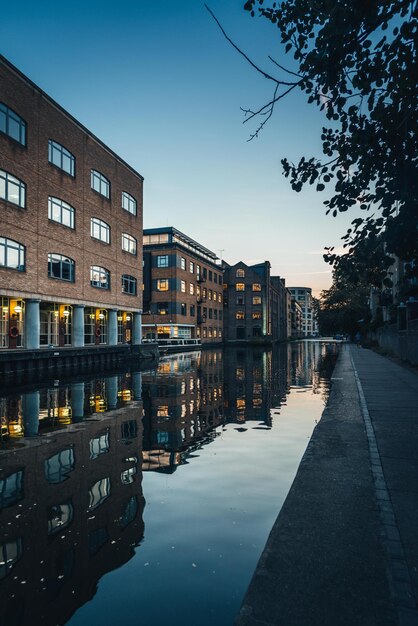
{"x": 159, "y": 332}
{"x": 33, "y": 323}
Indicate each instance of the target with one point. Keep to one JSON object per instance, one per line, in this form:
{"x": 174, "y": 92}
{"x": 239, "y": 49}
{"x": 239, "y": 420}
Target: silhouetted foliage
{"x": 356, "y": 60}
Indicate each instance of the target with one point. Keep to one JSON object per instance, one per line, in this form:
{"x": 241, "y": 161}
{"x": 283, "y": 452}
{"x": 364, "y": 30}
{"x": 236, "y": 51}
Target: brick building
{"x": 182, "y": 288}
{"x": 71, "y": 227}
{"x": 255, "y": 303}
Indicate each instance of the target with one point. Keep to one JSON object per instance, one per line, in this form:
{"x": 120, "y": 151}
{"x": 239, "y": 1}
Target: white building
{"x": 303, "y": 296}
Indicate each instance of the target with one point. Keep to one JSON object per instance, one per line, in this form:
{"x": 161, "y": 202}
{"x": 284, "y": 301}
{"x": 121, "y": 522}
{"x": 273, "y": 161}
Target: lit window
{"x": 61, "y": 212}
{"x": 100, "y": 183}
{"x": 128, "y": 202}
{"x": 12, "y": 254}
{"x": 12, "y": 189}
{"x": 162, "y": 308}
{"x": 210, "y": 294}
{"x": 183, "y": 286}
{"x": 240, "y": 315}
{"x": 129, "y": 284}
{"x": 162, "y": 284}
{"x": 240, "y": 287}
{"x": 162, "y": 260}
{"x": 129, "y": 243}
{"x": 240, "y": 273}
{"x": 257, "y": 300}
{"x": 99, "y": 277}
{"x": 191, "y": 287}
{"x": 183, "y": 308}
{"x": 182, "y": 263}
{"x": 256, "y": 287}
{"x": 191, "y": 267}
{"x": 12, "y": 124}
{"x": 61, "y": 157}
{"x": 61, "y": 267}
{"x": 219, "y": 297}
{"x": 100, "y": 230}
{"x": 257, "y": 315}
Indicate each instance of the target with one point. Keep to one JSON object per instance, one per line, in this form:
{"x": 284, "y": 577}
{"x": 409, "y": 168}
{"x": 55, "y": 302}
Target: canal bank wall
{"x": 20, "y": 366}
{"x": 326, "y": 561}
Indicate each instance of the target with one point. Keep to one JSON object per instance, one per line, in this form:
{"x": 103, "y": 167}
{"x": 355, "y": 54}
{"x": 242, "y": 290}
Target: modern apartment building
{"x": 182, "y": 288}
{"x": 70, "y": 231}
{"x": 303, "y": 296}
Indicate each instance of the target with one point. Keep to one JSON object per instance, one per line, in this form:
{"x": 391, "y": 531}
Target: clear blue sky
{"x": 159, "y": 84}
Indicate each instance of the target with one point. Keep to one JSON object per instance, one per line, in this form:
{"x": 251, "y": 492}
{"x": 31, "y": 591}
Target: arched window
{"x": 129, "y": 284}
{"x": 61, "y": 157}
{"x": 61, "y": 267}
{"x": 100, "y": 230}
{"x": 12, "y": 189}
{"x": 240, "y": 273}
{"x": 128, "y": 202}
{"x": 61, "y": 212}
{"x": 100, "y": 183}
{"x": 12, "y": 254}
{"x": 129, "y": 243}
{"x": 12, "y": 125}
{"x": 99, "y": 277}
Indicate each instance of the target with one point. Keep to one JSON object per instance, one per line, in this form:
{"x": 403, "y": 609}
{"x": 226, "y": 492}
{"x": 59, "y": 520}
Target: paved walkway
{"x": 344, "y": 548}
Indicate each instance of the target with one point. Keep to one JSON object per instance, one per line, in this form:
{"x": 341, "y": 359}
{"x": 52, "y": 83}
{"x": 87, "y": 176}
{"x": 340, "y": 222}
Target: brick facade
{"x": 193, "y": 300}
{"x": 31, "y": 226}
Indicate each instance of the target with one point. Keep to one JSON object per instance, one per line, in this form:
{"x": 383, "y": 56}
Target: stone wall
{"x": 403, "y": 344}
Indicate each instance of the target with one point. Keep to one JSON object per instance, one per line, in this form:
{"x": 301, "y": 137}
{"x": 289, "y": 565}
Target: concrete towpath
{"x": 344, "y": 548}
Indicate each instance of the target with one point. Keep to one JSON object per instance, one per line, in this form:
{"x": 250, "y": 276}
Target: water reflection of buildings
{"x": 57, "y": 406}
{"x": 183, "y": 402}
{"x": 255, "y": 381}
{"x": 71, "y": 509}
{"x": 307, "y": 362}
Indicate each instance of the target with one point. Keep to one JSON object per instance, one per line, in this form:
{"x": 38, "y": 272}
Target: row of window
{"x": 201, "y": 272}
{"x": 13, "y": 190}
{"x": 163, "y": 309}
{"x": 240, "y": 300}
{"x": 12, "y": 255}
{"x": 163, "y": 284}
{"x": 241, "y": 287}
{"x": 14, "y": 126}
{"x": 257, "y": 315}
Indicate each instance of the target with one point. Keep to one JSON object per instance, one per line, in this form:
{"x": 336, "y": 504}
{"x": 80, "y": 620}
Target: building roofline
{"x": 55, "y": 104}
{"x": 189, "y": 240}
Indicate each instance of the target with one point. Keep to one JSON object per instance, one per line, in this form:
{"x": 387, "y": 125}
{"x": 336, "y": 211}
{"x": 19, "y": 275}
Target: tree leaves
{"x": 368, "y": 92}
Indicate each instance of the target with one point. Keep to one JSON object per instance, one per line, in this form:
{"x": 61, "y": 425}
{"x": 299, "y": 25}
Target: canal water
{"x": 141, "y": 498}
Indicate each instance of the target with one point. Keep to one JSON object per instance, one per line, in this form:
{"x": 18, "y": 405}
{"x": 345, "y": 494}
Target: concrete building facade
{"x": 71, "y": 228}
{"x": 303, "y": 296}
